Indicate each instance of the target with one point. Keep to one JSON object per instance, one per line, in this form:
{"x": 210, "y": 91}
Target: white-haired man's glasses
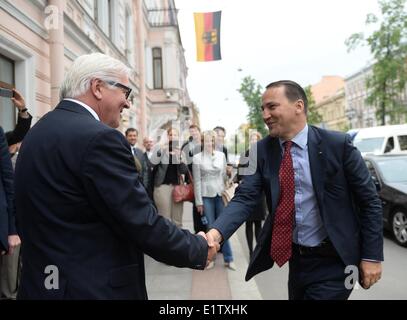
{"x": 126, "y": 90}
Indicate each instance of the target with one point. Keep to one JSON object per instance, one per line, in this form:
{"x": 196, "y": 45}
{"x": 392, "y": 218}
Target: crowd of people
{"x": 88, "y": 202}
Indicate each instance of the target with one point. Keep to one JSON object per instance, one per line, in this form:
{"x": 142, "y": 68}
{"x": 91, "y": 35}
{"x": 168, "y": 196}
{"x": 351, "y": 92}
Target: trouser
{"x": 166, "y": 206}
{"x": 314, "y": 276}
{"x": 196, "y": 216}
{"x": 213, "y": 208}
{"x": 9, "y": 274}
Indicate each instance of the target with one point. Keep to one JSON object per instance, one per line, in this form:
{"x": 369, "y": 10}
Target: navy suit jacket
{"x": 83, "y": 210}
{"x": 347, "y": 199}
{"x": 7, "y": 210}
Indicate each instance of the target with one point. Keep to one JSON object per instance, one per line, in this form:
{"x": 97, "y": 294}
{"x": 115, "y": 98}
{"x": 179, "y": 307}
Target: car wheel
{"x": 399, "y": 227}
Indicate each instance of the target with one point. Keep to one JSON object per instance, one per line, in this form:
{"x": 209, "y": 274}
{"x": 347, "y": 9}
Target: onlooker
{"x": 259, "y": 213}
{"x": 132, "y": 137}
{"x": 220, "y": 146}
{"x": 189, "y": 149}
{"x": 209, "y": 168}
{"x": 23, "y": 121}
{"x": 167, "y": 171}
{"x": 9, "y": 239}
{"x": 148, "y": 167}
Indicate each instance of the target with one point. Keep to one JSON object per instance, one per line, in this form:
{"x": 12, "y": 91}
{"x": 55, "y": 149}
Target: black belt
{"x": 325, "y": 249}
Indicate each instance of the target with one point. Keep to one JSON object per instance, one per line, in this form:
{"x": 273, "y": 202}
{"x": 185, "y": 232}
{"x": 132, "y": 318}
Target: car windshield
{"x": 394, "y": 169}
{"x": 369, "y": 145}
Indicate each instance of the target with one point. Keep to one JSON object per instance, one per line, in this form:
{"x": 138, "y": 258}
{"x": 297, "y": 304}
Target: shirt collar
{"x": 301, "y": 139}
{"x": 92, "y": 112}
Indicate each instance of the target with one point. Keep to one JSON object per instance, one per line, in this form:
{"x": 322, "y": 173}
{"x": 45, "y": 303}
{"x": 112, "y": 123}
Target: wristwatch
{"x": 23, "y": 110}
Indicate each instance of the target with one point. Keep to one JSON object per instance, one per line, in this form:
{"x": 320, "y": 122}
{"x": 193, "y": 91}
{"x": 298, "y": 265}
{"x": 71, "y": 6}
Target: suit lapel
{"x": 316, "y": 156}
{"x": 275, "y": 160}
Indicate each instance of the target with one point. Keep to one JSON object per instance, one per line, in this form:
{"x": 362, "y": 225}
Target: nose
{"x": 127, "y": 105}
{"x": 266, "y": 114}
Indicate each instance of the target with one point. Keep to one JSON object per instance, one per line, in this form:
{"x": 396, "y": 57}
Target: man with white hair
{"x": 85, "y": 218}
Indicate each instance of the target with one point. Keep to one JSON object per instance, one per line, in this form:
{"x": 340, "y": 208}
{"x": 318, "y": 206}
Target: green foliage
{"x": 388, "y": 45}
{"x": 251, "y": 93}
{"x": 313, "y": 116}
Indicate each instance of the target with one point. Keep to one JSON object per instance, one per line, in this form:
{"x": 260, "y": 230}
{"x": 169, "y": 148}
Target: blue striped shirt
{"x": 308, "y": 228}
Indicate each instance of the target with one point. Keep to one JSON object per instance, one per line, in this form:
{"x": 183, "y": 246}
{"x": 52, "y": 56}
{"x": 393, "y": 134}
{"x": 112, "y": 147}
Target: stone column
{"x": 141, "y": 65}
{"x": 56, "y": 41}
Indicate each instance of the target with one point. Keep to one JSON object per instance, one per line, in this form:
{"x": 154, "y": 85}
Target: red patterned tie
{"x": 281, "y": 241}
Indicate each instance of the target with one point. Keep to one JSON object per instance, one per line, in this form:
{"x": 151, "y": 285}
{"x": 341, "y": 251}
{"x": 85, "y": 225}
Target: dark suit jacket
{"x": 19, "y": 132}
{"x": 7, "y": 210}
{"x": 83, "y": 209}
{"x": 347, "y": 199}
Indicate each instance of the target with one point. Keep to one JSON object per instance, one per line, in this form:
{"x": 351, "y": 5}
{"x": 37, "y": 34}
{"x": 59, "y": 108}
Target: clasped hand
{"x": 213, "y": 246}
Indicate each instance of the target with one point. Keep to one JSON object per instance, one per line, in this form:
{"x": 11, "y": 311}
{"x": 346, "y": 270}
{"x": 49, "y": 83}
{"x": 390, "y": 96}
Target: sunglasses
{"x": 126, "y": 90}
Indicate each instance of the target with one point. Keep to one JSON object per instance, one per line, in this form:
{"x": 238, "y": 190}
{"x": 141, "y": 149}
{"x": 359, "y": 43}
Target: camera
{"x": 6, "y": 93}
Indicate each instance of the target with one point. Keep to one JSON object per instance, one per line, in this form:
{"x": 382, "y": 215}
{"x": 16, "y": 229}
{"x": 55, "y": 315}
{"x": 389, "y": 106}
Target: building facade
{"x": 39, "y": 39}
{"x": 329, "y": 96}
{"x": 359, "y": 113}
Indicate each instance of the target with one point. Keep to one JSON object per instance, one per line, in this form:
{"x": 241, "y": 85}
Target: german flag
{"x": 207, "y": 31}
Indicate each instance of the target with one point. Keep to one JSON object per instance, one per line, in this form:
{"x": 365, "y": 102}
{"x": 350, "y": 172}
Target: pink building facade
{"x": 39, "y": 39}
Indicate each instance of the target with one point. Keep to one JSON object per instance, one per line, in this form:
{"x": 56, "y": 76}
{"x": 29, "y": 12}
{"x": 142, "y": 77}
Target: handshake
{"x": 213, "y": 238}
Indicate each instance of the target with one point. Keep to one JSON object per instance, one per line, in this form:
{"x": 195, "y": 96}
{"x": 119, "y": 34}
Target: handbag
{"x": 183, "y": 191}
{"x": 229, "y": 192}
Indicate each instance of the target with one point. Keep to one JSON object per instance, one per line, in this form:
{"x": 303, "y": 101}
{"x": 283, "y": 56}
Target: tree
{"x": 252, "y": 92}
{"x": 388, "y": 45}
{"x": 313, "y": 116}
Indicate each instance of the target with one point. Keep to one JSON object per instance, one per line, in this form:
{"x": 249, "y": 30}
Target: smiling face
{"x": 113, "y": 101}
{"x": 283, "y": 117}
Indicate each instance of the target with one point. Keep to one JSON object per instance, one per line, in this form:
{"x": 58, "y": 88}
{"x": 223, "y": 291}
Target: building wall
{"x": 332, "y": 111}
{"x": 360, "y": 114}
{"x": 25, "y": 39}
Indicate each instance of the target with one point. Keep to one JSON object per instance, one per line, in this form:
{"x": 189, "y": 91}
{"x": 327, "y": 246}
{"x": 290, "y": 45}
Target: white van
{"x": 381, "y": 140}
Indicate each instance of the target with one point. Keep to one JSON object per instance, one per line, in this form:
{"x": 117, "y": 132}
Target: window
{"x": 7, "y": 109}
{"x": 157, "y": 68}
{"x": 403, "y": 142}
{"x": 389, "y": 145}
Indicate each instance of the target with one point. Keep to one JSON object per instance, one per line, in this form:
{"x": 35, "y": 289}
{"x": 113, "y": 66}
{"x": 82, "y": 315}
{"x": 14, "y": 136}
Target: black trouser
{"x": 198, "y": 226}
{"x": 317, "y": 275}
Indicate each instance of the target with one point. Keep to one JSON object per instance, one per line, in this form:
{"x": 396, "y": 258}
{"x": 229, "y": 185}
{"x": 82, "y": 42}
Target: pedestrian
{"x": 189, "y": 149}
{"x": 86, "y": 220}
{"x": 325, "y": 215}
{"x": 209, "y": 169}
{"x": 9, "y": 238}
{"x": 254, "y": 221}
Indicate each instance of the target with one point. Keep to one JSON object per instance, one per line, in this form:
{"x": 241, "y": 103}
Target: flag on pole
{"x": 207, "y": 31}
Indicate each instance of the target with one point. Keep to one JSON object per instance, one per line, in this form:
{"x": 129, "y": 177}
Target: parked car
{"x": 381, "y": 140}
{"x": 389, "y": 173}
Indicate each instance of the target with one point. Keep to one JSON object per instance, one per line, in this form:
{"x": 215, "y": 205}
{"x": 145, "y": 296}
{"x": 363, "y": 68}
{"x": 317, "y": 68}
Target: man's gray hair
{"x": 91, "y": 66}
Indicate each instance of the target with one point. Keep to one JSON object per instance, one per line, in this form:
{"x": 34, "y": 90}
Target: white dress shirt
{"x": 92, "y": 112}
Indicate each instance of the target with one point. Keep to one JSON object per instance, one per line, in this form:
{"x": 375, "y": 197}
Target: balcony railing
{"x": 162, "y": 17}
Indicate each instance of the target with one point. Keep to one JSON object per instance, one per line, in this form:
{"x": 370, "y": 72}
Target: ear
{"x": 95, "y": 87}
{"x": 299, "y": 107}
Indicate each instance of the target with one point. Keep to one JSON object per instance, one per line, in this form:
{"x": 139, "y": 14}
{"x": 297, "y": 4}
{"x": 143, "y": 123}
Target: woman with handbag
{"x": 209, "y": 171}
{"x": 166, "y": 176}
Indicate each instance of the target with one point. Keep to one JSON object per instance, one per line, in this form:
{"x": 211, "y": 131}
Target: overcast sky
{"x": 269, "y": 40}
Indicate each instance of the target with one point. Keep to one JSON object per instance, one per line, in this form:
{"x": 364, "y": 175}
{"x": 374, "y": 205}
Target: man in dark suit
{"x": 325, "y": 215}
{"x": 86, "y": 219}
{"x": 9, "y": 239}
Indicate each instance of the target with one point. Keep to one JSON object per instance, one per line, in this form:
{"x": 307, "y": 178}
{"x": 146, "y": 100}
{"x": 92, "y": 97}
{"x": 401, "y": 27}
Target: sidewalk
{"x": 171, "y": 283}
